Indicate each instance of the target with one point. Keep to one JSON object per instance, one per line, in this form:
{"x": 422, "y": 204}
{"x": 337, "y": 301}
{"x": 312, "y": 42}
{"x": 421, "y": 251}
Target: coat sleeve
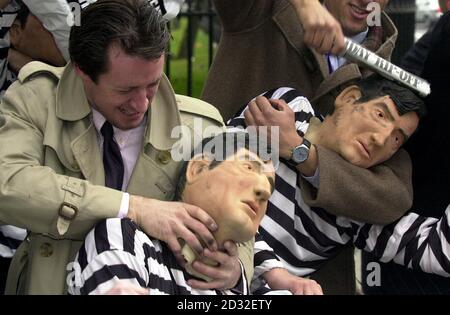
{"x": 241, "y": 15}
{"x": 34, "y": 196}
{"x": 379, "y": 195}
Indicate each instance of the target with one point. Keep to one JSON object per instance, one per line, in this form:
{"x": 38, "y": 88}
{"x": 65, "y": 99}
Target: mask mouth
{"x": 253, "y": 206}
{"x": 365, "y": 149}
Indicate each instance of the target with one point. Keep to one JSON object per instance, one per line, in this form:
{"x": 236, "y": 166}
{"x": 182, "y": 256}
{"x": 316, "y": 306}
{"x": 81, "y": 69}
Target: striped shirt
{"x": 303, "y": 238}
{"x": 10, "y": 236}
{"x": 117, "y": 249}
{"x": 10, "y": 239}
{"x": 7, "y": 17}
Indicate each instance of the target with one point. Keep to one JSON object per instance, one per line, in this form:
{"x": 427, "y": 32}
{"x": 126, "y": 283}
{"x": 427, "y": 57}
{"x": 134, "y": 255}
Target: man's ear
{"x": 79, "y": 72}
{"x": 195, "y": 168}
{"x": 84, "y": 77}
{"x": 348, "y": 96}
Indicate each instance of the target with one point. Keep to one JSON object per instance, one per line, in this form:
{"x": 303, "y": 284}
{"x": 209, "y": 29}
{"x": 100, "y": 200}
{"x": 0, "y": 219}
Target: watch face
{"x": 300, "y": 154}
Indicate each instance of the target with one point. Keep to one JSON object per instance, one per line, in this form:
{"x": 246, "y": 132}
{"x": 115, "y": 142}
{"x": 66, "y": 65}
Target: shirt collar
{"x": 98, "y": 120}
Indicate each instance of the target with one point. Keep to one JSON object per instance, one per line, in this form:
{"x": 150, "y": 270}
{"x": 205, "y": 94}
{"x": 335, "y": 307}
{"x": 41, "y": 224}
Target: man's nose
{"x": 140, "y": 100}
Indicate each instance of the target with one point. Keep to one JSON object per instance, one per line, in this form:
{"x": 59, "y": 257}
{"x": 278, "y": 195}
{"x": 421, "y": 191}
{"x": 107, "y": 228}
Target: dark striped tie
{"x": 112, "y": 159}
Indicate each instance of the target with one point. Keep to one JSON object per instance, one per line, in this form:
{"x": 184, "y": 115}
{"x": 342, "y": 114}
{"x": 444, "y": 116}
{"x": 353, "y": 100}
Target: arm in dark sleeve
{"x": 241, "y": 15}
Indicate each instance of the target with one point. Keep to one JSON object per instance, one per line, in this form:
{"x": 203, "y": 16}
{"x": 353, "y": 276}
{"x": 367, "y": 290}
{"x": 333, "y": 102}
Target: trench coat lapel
{"x": 72, "y": 106}
{"x": 86, "y": 151}
{"x": 154, "y": 160}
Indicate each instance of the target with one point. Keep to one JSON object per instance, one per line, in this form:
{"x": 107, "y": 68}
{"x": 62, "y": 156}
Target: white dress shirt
{"x": 336, "y": 62}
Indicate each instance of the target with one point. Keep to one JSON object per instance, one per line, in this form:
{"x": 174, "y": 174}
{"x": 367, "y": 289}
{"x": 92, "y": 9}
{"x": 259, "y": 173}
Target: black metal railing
{"x": 200, "y": 14}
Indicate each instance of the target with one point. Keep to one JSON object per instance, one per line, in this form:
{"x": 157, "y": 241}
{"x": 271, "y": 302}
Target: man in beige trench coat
{"x": 52, "y": 179}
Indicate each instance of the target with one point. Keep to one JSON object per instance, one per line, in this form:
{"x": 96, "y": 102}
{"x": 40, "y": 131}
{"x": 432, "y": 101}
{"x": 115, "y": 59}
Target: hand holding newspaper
{"x": 358, "y": 54}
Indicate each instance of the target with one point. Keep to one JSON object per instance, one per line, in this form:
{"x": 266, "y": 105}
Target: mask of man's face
{"x": 33, "y": 40}
{"x": 367, "y": 133}
{"x": 234, "y": 192}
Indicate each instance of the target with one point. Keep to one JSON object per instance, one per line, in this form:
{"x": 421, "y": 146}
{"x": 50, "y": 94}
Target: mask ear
{"x": 15, "y": 34}
{"x": 348, "y": 96}
{"x": 196, "y": 167}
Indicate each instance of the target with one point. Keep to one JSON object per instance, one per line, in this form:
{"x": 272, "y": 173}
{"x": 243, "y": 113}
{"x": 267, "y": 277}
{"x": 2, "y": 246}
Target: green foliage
{"x": 179, "y": 65}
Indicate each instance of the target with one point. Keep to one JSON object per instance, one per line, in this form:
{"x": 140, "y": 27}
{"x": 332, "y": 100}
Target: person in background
{"x": 23, "y": 39}
{"x": 430, "y": 153}
{"x": 415, "y": 57}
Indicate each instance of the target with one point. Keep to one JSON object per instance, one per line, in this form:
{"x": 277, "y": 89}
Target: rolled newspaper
{"x": 358, "y": 54}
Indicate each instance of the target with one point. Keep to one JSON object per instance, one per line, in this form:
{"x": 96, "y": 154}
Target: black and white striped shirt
{"x": 7, "y": 17}
{"x": 117, "y": 249}
{"x": 10, "y": 236}
{"x": 304, "y": 238}
{"x": 10, "y": 239}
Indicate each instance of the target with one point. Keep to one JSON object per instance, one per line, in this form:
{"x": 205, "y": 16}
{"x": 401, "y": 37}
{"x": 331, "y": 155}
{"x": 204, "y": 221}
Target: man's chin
{"x": 129, "y": 123}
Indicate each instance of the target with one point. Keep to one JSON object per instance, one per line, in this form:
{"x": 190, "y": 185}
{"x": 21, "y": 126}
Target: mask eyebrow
{"x": 390, "y": 116}
{"x": 386, "y": 109}
{"x": 260, "y": 165}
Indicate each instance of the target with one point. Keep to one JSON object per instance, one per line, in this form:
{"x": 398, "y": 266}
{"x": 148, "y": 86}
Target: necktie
{"x": 112, "y": 159}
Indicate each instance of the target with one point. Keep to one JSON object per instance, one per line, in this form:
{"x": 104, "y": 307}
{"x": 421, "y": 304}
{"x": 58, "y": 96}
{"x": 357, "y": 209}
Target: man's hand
{"x": 225, "y": 276}
{"x": 125, "y": 288}
{"x": 321, "y": 30}
{"x": 281, "y": 279}
{"x": 275, "y": 112}
{"x": 170, "y": 221}
{"x": 264, "y": 112}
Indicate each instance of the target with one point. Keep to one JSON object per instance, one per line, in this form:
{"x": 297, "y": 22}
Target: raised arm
{"x": 240, "y": 15}
{"x": 322, "y": 31}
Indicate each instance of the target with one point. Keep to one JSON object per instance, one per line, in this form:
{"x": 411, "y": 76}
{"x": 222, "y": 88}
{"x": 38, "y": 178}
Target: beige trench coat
{"x": 51, "y": 173}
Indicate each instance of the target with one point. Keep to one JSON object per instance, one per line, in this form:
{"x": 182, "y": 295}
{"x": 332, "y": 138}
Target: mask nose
{"x": 381, "y": 136}
{"x": 262, "y": 188}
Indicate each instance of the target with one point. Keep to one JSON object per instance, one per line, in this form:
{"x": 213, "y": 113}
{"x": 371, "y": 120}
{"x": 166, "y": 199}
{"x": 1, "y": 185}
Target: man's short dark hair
{"x": 134, "y": 25}
{"x": 238, "y": 140}
{"x": 405, "y": 99}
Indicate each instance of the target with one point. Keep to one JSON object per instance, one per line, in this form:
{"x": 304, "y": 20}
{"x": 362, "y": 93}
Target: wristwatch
{"x": 300, "y": 153}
